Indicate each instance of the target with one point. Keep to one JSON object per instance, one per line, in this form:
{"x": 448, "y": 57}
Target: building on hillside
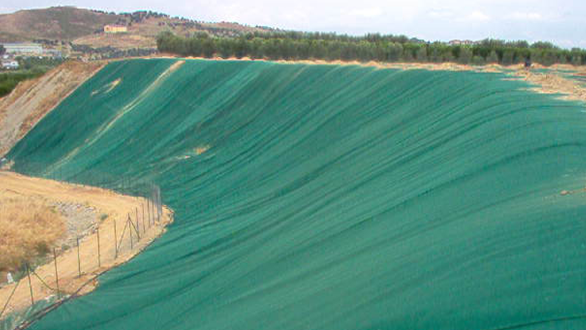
{"x": 461, "y": 42}
{"x": 53, "y": 53}
{"x": 115, "y": 29}
{"x": 10, "y": 65}
{"x": 22, "y": 48}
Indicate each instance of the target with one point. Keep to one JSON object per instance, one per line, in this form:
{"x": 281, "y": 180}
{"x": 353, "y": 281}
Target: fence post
{"x": 30, "y": 286}
{"x": 78, "y": 259}
{"x": 115, "y": 241}
{"x": 160, "y": 205}
{"x": 149, "y": 211}
{"x": 153, "y": 207}
{"x": 130, "y": 233}
{"x": 156, "y": 198}
{"x": 142, "y": 206}
{"x": 56, "y": 274}
{"x": 9, "y": 298}
{"x": 157, "y": 202}
{"x": 143, "y": 227}
{"x": 99, "y": 254}
{"x": 137, "y": 227}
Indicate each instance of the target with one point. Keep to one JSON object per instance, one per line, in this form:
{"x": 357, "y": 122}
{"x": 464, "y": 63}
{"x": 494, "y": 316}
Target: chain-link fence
{"x": 71, "y": 270}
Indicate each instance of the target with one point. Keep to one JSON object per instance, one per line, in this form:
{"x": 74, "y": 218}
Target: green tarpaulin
{"x": 329, "y": 197}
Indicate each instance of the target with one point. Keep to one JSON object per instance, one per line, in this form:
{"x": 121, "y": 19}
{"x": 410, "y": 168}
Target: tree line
{"x": 29, "y": 68}
{"x": 372, "y": 47}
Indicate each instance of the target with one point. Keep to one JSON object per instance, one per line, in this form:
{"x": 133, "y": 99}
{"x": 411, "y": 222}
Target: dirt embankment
{"x": 555, "y": 83}
{"x": 31, "y": 100}
{"x": 94, "y": 215}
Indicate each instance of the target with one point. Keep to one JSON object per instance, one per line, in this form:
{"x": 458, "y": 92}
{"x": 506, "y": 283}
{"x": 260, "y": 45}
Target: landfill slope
{"x": 329, "y": 197}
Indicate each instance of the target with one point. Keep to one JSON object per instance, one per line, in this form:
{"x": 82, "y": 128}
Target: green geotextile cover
{"x": 329, "y": 197}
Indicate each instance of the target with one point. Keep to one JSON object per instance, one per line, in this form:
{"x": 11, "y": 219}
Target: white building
{"x": 23, "y": 48}
{"x": 10, "y": 65}
{"x": 461, "y": 42}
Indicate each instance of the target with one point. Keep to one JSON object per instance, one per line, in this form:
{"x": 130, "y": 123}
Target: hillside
{"x": 62, "y": 23}
{"x": 329, "y": 197}
{"x": 85, "y": 27}
{"x": 32, "y": 99}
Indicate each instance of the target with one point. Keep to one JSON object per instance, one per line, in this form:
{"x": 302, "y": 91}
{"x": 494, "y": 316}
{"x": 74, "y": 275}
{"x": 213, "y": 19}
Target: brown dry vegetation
{"x": 551, "y": 83}
{"x": 113, "y": 206}
{"x": 64, "y": 23}
{"x": 143, "y": 34}
{"x": 28, "y": 229}
{"x": 120, "y": 41}
{"x": 83, "y": 27}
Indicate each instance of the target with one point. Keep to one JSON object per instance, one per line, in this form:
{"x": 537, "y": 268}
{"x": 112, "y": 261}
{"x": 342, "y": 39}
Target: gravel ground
{"x": 80, "y": 220}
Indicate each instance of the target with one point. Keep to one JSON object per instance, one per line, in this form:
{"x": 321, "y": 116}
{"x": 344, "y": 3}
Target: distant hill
{"x": 84, "y": 27}
{"x": 62, "y": 23}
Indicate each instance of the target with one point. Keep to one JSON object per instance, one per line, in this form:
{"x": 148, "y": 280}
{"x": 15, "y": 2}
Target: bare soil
{"x": 552, "y": 83}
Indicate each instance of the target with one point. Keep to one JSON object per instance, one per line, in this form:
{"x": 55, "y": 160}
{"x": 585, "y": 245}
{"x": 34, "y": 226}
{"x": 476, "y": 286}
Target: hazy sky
{"x": 560, "y": 21}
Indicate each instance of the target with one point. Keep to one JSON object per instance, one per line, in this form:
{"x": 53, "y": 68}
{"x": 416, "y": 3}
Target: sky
{"x": 559, "y": 21}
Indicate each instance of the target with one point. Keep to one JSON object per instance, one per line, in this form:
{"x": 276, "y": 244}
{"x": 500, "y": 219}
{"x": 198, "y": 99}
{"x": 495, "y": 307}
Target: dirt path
{"x": 113, "y": 206}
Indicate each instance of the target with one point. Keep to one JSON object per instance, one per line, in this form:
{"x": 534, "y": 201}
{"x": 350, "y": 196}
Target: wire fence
{"x": 69, "y": 271}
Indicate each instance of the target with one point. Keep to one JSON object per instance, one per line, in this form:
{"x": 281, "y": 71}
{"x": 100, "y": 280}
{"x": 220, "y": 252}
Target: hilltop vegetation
{"x": 372, "y": 47}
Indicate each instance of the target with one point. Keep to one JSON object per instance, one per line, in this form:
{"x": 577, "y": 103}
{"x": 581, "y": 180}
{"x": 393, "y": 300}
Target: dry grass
{"x": 28, "y": 230}
{"x": 113, "y": 210}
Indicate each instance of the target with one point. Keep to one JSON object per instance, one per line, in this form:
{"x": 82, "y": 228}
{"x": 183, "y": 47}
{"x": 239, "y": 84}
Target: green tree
{"x": 319, "y": 49}
{"x": 293, "y": 45}
{"x": 395, "y": 52}
{"x": 492, "y": 57}
{"x": 576, "y": 59}
{"x": 256, "y": 48}
{"x": 508, "y": 57}
{"x": 421, "y": 55}
{"x": 435, "y": 52}
{"x": 195, "y": 46}
{"x": 549, "y": 57}
{"x": 208, "y": 48}
{"x": 465, "y": 56}
{"x": 543, "y": 45}
{"x": 478, "y": 60}
{"x": 536, "y": 55}
{"x": 224, "y": 48}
